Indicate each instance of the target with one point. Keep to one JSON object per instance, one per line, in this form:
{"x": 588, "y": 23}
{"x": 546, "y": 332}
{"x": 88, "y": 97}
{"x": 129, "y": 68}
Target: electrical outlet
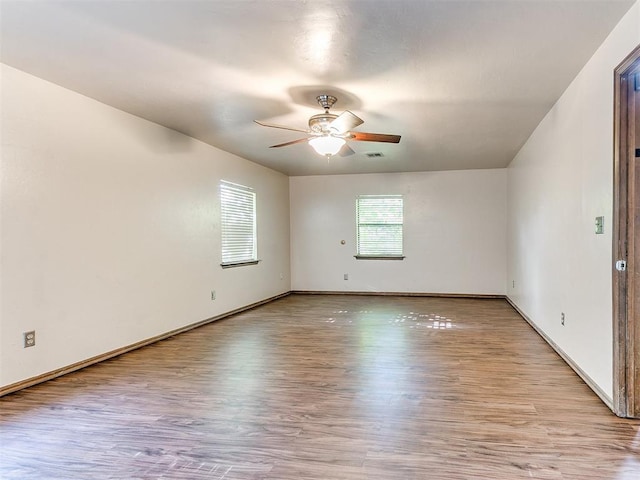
{"x": 29, "y": 339}
{"x": 562, "y": 318}
{"x": 213, "y": 294}
{"x": 346, "y": 276}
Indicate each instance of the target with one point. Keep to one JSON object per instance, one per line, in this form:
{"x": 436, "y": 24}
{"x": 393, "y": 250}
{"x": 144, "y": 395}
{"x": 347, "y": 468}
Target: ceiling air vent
{"x": 374, "y": 155}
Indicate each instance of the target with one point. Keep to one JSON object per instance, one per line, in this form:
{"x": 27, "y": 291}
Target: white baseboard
{"x": 606, "y": 399}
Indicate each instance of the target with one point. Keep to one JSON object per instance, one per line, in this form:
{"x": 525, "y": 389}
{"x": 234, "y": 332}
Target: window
{"x": 379, "y": 219}
{"x": 238, "y": 218}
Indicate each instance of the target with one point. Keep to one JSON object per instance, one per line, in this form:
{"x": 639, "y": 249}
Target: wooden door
{"x": 626, "y": 248}
{"x": 633, "y": 294}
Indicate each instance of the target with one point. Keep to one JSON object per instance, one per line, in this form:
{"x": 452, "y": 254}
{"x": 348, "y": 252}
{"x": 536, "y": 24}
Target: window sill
{"x": 239, "y": 264}
{"x": 379, "y": 257}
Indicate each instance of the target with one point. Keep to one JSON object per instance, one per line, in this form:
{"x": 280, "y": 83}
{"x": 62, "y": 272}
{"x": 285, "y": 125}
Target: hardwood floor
{"x": 326, "y": 388}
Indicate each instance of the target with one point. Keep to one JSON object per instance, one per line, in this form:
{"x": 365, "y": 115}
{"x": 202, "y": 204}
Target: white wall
{"x": 558, "y": 183}
{"x": 110, "y": 229}
{"x": 454, "y": 234}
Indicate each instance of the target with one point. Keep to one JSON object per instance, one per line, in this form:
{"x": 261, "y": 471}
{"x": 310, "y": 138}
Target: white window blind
{"x": 238, "y": 218}
{"x": 379, "y": 219}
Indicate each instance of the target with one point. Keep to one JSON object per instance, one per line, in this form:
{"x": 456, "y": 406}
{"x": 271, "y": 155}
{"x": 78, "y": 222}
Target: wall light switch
{"x": 599, "y": 225}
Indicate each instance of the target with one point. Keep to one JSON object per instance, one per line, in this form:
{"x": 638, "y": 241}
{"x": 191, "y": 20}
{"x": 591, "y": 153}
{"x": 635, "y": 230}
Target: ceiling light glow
{"x": 327, "y": 145}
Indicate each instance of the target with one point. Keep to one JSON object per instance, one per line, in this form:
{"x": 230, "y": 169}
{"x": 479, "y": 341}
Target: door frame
{"x": 626, "y": 347}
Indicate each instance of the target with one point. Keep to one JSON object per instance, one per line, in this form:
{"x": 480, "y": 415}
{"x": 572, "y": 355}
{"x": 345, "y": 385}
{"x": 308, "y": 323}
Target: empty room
{"x": 340, "y": 240}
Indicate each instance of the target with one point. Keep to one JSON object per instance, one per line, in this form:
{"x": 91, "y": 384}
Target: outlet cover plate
{"x": 29, "y": 339}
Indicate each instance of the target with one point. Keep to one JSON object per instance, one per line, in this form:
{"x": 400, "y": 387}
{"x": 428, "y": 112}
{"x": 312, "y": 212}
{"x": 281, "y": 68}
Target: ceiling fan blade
{"x": 345, "y": 122}
{"x": 346, "y": 150}
{"x": 281, "y": 126}
{"x": 374, "y": 137}
{"x": 293, "y": 142}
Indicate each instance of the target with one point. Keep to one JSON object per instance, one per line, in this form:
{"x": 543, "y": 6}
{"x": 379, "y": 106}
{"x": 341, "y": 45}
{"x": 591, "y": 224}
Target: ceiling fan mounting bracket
{"x": 326, "y": 101}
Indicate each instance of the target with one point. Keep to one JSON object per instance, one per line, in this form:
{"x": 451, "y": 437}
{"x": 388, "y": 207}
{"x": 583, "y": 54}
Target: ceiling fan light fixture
{"x": 327, "y": 145}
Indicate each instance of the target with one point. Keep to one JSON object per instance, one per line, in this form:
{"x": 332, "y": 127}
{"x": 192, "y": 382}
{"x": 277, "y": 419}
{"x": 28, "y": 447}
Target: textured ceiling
{"x": 464, "y": 82}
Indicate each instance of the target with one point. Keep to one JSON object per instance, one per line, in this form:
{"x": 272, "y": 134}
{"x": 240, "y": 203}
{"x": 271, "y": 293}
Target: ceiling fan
{"x": 328, "y": 133}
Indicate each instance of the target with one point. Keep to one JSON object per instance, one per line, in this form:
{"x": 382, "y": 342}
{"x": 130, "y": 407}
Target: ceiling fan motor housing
{"x": 320, "y": 123}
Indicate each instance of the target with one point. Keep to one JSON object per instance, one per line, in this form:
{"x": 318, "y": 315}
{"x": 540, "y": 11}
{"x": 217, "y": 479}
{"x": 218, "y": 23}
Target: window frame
{"x": 242, "y": 193}
{"x": 381, "y": 256}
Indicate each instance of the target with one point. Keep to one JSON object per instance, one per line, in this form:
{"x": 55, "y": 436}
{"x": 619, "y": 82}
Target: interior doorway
{"x": 626, "y": 238}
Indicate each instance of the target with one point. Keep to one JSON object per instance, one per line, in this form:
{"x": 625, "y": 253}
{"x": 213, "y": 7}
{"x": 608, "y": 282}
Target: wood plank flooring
{"x": 326, "y": 388}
